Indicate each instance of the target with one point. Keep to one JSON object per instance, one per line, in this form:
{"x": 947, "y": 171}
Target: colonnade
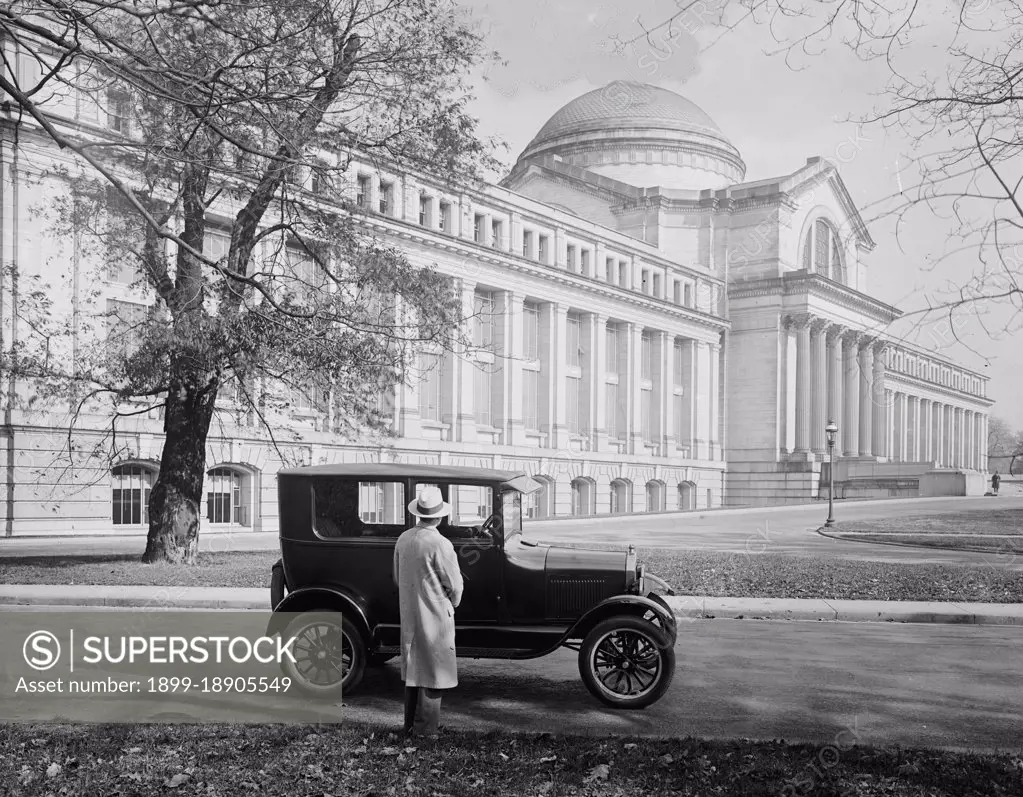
{"x": 841, "y": 376}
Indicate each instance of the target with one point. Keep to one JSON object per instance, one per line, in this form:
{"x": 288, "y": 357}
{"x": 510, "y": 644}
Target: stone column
{"x": 940, "y": 435}
{"x": 913, "y": 429}
{"x": 881, "y": 404}
{"x": 691, "y": 388}
{"x": 895, "y": 425}
{"x": 968, "y": 439}
{"x": 714, "y": 436}
{"x": 867, "y": 402}
{"x": 666, "y": 393}
{"x": 597, "y": 358}
{"x": 408, "y": 402}
{"x": 818, "y": 386}
{"x": 487, "y": 233}
{"x": 509, "y": 345}
{"x": 633, "y": 390}
{"x": 834, "y": 344}
{"x": 803, "y": 394}
{"x": 851, "y": 367}
{"x": 558, "y": 437}
{"x": 560, "y": 258}
{"x": 463, "y": 378}
{"x": 701, "y": 410}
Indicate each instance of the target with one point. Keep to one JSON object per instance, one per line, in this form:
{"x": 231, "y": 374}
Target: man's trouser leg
{"x": 428, "y": 712}
{"x": 411, "y": 701}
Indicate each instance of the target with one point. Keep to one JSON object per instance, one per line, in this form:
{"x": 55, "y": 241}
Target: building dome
{"x": 642, "y": 135}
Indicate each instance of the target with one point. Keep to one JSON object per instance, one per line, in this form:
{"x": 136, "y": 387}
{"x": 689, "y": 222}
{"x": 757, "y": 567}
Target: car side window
{"x": 344, "y": 508}
{"x": 471, "y": 506}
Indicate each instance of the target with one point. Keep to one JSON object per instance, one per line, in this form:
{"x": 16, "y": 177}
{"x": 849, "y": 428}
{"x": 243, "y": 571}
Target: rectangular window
{"x": 572, "y": 348}
{"x": 386, "y": 190}
{"x": 688, "y": 295}
{"x": 644, "y": 281}
{"x": 424, "y": 211}
{"x": 609, "y": 271}
{"x": 527, "y": 243}
{"x": 531, "y": 399}
{"x": 646, "y": 414}
{"x": 570, "y": 257}
{"x": 584, "y": 261}
{"x": 430, "y": 390}
{"x": 348, "y": 508}
{"x": 647, "y": 355}
{"x": 445, "y": 217}
{"x": 483, "y": 312}
{"x": 611, "y": 353}
{"x": 362, "y": 191}
{"x": 679, "y": 354}
{"x": 131, "y": 489}
{"x": 118, "y": 110}
{"x": 496, "y": 236}
{"x": 573, "y": 405}
{"x": 657, "y": 286}
{"x": 541, "y": 250}
{"x": 678, "y": 409}
{"x": 382, "y": 503}
{"x": 125, "y": 327}
{"x": 531, "y": 332}
{"x": 483, "y": 394}
{"x": 477, "y": 227}
{"x": 677, "y": 292}
{"x": 611, "y": 410}
{"x": 623, "y": 274}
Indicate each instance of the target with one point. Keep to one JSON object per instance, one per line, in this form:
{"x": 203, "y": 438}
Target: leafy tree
{"x": 248, "y": 113}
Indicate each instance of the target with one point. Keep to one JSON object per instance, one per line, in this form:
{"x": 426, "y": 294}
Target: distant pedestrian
{"x": 429, "y": 590}
{"x": 995, "y": 481}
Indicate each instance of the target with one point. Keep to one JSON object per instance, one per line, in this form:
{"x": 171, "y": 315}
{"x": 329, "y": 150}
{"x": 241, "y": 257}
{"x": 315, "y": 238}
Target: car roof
{"x": 399, "y": 470}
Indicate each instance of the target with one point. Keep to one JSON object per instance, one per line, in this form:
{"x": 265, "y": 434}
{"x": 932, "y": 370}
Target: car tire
{"x": 278, "y": 584}
{"x": 626, "y": 662}
{"x": 329, "y": 651}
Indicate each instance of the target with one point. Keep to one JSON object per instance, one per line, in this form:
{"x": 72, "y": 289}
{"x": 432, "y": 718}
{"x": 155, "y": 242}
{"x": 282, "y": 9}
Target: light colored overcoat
{"x": 429, "y": 589}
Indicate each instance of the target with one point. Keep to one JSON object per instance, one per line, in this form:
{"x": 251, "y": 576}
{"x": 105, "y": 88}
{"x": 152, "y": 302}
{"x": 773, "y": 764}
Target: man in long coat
{"x": 429, "y": 589}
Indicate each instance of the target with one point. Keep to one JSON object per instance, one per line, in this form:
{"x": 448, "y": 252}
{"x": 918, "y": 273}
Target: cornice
{"x": 945, "y": 390}
{"x": 510, "y": 261}
{"x": 800, "y": 282}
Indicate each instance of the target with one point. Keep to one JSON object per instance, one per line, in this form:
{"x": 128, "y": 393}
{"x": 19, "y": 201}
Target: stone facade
{"x": 655, "y": 335}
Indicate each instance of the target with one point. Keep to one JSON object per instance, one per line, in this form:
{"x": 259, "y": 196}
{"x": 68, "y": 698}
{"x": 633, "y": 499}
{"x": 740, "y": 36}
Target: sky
{"x": 777, "y": 114}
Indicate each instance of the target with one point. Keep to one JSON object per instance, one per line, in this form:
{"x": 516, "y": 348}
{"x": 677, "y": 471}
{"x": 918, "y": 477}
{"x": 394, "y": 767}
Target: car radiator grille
{"x": 568, "y": 597}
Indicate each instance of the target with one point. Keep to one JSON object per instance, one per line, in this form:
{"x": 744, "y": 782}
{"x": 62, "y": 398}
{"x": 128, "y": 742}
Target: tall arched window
{"x": 227, "y": 497}
{"x": 654, "y": 496}
{"x": 130, "y": 493}
{"x": 540, "y": 503}
{"x": 621, "y": 500}
{"x": 686, "y": 496}
{"x": 582, "y": 496}
{"x": 822, "y": 251}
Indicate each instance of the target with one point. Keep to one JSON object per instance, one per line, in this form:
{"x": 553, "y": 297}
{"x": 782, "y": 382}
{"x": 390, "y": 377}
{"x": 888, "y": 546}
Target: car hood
{"x": 585, "y": 561}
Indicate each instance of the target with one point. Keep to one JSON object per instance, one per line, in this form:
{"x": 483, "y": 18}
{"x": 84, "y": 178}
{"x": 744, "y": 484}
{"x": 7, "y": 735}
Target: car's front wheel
{"x": 329, "y": 654}
{"x": 626, "y": 663}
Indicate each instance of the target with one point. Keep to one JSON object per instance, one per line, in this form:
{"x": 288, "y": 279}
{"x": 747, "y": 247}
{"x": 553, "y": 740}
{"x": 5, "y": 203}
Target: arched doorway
{"x": 621, "y": 497}
{"x": 686, "y": 496}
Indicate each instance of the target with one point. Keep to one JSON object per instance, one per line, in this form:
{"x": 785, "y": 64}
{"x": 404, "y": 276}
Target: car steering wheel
{"x": 488, "y": 526}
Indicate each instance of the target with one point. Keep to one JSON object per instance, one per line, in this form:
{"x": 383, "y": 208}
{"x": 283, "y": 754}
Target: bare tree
{"x": 964, "y": 122}
{"x": 248, "y": 113}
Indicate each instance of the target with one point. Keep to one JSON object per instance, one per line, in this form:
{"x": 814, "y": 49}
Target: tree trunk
{"x": 174, "y": 506}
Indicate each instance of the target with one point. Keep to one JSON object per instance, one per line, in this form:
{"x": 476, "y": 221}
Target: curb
{"x": 685, "y": 607}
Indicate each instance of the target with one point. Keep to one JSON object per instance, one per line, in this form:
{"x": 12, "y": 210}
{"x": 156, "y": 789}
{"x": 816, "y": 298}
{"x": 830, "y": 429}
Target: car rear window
{"x": 345, "y": 508}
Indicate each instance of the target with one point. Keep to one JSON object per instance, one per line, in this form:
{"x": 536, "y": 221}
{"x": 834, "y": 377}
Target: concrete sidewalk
{"x": 686, "y": 607}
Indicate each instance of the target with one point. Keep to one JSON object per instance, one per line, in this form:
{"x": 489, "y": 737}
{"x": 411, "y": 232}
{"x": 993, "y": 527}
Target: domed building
{"x": 806, "y": 342}
{"x": 650, "y": 332}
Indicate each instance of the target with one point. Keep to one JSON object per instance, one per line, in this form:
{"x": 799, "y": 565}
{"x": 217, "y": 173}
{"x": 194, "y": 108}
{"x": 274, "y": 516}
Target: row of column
{"x": 840, "y": 376}
{"x": 675, "y": 393}
{"x": 927, "y": 430}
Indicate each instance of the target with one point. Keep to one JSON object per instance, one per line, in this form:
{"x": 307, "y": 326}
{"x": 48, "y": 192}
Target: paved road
{"x": 788, "y": 530}
{"x": 878, "y": 684}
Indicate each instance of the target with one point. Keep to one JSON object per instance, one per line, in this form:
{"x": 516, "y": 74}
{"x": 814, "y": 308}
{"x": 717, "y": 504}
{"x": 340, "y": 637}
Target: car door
{"x": 478, "y": 552}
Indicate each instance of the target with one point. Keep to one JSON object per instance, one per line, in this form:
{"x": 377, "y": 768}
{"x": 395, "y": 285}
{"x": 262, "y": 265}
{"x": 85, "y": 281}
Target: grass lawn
{"x": 351, "y": 760}
{"x": 997, "y": 522}
{"x": 689, "y": 572}
{"x": 998, "y": 531}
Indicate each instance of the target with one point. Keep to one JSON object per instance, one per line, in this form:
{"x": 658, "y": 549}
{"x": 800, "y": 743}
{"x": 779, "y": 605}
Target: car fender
{"x": 311, "y": 599}
{"x": 637, "y": 605}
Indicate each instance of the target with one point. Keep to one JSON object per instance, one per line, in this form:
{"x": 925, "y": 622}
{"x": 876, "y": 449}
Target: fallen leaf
{"x": 177, "y": 780}
{"x": 667, "y": 759}
{"x": 53, "y": 770}
{"x": 503, "y": 756}
{"x": 389, "y": 751}
{"x": 599, "y": 772}
{"x": 631, "y": 746}
{"x": 411, "y": 749}
{"x": 548, "y": 758}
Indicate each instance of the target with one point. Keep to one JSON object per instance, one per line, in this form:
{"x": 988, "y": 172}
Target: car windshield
{"x": 511, "y": 512}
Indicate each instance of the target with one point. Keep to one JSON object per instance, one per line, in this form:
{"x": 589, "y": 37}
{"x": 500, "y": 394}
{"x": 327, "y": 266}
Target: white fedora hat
{"x": 430, "y": 504}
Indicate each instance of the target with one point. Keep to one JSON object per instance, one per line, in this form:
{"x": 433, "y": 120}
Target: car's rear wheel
{"x": 626, "y": 662}
{"x": 329, "y": 652}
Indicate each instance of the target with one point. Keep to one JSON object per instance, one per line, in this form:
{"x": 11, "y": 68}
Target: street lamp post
{"x": 831, "y": 430}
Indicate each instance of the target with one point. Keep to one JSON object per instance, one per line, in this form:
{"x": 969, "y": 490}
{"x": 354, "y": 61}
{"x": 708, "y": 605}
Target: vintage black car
{"x": 522, "y": 599}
